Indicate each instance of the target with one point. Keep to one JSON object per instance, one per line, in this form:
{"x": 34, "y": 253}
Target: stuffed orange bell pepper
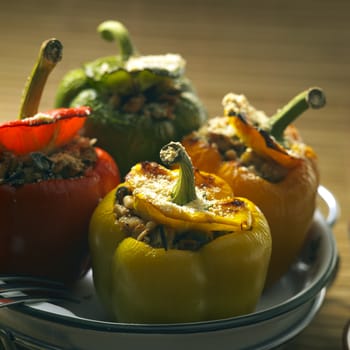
{"x": 265, "y": 160}
{"x": 51, "y": 180}
{"x": 177, "y": 246}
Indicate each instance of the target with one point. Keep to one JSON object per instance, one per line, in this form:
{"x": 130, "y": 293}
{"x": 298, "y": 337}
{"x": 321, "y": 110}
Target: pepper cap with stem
{"x": 271, "y": 141}
{"x": 311, "y": 98}
{"x": 185, "y": 198}
{"x": 184, "y": 190}
{"x": 34, "y": 131}
{"x": 49, "y": 55}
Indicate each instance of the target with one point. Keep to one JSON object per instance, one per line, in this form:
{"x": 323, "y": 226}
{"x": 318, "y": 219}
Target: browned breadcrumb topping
{"x": 231, "y": 148}
{"x": 223, "y": 136}
{"x": 69, "y": 161}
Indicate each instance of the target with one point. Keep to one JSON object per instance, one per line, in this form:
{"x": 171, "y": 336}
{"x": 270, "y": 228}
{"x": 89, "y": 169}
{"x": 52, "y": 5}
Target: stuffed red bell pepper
{"x": 51, "y": 180}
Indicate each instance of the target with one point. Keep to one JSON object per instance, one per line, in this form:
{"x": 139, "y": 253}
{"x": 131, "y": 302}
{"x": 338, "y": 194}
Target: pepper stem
{"x": 116, "y": 31}
{"x": 49, "y": 55}
{"x": 313, "y": 98}
{"x": 184, "y": 190}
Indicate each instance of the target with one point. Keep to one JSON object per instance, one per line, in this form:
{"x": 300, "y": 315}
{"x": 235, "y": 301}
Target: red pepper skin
{"x": 44, "y": 225}
{"x": 35, "y": 134}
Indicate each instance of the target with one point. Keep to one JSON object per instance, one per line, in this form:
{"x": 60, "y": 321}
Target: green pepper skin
{"x": 139, "y": 103}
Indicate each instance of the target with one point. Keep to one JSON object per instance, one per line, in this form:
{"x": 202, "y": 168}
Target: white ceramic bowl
{"x": 282, "y": 313}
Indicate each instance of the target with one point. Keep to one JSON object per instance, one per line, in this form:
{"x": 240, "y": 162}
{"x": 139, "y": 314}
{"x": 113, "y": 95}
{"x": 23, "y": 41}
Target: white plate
{"x": 282, "y": 313}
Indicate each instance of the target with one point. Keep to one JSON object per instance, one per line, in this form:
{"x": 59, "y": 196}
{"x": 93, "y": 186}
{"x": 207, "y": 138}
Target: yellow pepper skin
{"x": 289, "y": 202}
{"x": 178, "y": 280}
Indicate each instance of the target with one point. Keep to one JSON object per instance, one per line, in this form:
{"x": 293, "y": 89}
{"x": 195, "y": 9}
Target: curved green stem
{"x": 311, "y": 98}
{"x": 184, "y": 190}
{"x": 49, "y": 55}
{"x": 116, "y": 31}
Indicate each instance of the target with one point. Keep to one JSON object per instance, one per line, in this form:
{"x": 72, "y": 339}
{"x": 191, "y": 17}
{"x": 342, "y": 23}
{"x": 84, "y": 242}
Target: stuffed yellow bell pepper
{"x": 265, "y": 160}
{"x": 177, "y": 246}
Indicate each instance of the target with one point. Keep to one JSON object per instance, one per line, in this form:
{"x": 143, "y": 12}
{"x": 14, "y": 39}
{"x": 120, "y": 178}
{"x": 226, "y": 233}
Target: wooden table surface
{"x": 268, "y": 50}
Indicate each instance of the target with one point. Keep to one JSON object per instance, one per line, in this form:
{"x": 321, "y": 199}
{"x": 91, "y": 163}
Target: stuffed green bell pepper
{"x": 177, "y": 246}
{"x": 139, "y": 103}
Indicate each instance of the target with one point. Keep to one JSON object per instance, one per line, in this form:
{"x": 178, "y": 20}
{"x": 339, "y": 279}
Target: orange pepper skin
{"x": 44, "y": 225}
{"x": 288, "y": 205}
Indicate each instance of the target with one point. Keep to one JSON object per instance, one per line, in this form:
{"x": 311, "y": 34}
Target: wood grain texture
{"x": 268, "y": 50}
